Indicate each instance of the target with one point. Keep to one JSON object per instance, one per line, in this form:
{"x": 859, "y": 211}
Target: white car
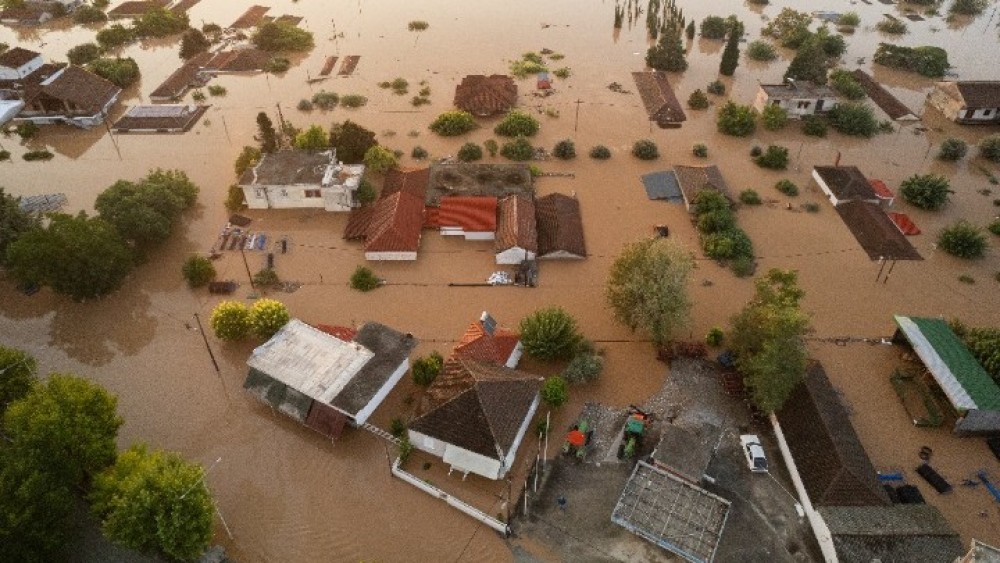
{"x": 754, "y": 453}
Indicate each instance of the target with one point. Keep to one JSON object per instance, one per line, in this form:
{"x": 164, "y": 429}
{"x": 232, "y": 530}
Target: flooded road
{"x": 287, "y": 494}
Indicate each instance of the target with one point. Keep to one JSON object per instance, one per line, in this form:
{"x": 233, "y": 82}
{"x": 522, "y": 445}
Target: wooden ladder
{"x": 381, "y": 433}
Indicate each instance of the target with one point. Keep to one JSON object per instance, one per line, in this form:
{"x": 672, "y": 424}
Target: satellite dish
{"x": 489, "y": 323}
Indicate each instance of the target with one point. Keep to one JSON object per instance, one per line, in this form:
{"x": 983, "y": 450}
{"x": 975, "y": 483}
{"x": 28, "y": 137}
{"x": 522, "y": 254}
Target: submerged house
{"x": 658, "y": 96}
{"x": 487, "y": 342}
{"x": 560, "y": 228}
{"x": 471, "y": 217}
{"x": 484, "y": 96}
{"x": 798, "y": 98}
{"x": 17, "y": 63}
{"x": 299, "y": 178}
{"x": 325, "y": 380}
{"x": 968, "y": 101}
{"x": 395, "y": 226}
{"x": 476, "y": 416}
{"x": 693, "y": 179}
{"x": 67, "y": 94}
{"x": 845, "y": 183}
{"x": 516, "y": 235}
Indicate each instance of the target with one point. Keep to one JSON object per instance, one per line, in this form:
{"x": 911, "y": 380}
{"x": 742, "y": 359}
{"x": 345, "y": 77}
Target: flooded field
{"x": 286, "y": 493}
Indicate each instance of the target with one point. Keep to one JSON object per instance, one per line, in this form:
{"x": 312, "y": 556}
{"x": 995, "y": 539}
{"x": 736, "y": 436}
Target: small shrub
{"x": 550, "y": 334}
{"x": 516, "y": 123}
{"x": 26, "y": 130}
{"x": 397, "y": 427}
{"x": 534, "y": 170}
{"x": 267, "y": 316}
{"x": 811, "y": 207}
{"x": 405, "y": 449}
{"x": 853, "y": 118}
{"x": 775, "y": 157}
{"x": 198, "y": 271}
{"x": 230, "y": 321}
{"x": 217, "y": 90}
{"x": 787, "y": 187}
{"x": 850, "y": 19}
{"x": 750, "y": 197}
{"x": 736, "y": 120}
{"x": 964, "y": 240}
{"x": 814, "y": 126}
{"x": 583, "y": 368}
{"x": 645, "y": 150}
{"x": 37, "y": 155}
{"x": 714, "y": 337}
{"x": 89, "y": 14}
{"x": 417, "y": 101}
{"x": 774, "y": 117}
{"x": 83, "y": 53}
{"x": 417, "y": 25}
{"x": 716, "y": 88}
{"x": 761, "y": 51}
{"x": 426, "y": 369}
{"x": 755, "y": 151}
{"x": 366, "y": 193}
{"x": 562, "y": 73}
{"x": 325, "y": 100}
{"x": 491, "y": 147}
{"x": 927, "y": 191}
{"x": 353, "y": 101}
{"x": 266, "y": 277}
{"x": 379, "y": 159}
{"x": 304, "y": 105}
{"x": 4, "y": 155}
{"x": 453, "y": 123}
{"x": 235, "y": 198}
{"x": 698, "y": 100}
{"x": 966, "y": 279}
{"x": 519, "y": 149}
{"x": 564, "y": 150}
{"x": 198, "y": 96}
{"x": 470, "y": 152}
{"x": 418, "y": 152}
{"x": 277, "y": 65}
{"x": 600, "y": 152}
{"x": 846, "y": 85}
{"x": 968, "y": 7}
{"x": 953, "y": 149}
{"x": 994, "y": 227}
{"x": 891, "y": 26}
{"x": 363, "y": 279}
{"x": 554, "y": 391}
{"x": 989, "y": 147}
{"x": 700, "y": 150}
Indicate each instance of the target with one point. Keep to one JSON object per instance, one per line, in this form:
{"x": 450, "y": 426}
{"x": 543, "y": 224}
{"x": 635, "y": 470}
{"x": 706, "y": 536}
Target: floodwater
{"x": 285, "y": 493}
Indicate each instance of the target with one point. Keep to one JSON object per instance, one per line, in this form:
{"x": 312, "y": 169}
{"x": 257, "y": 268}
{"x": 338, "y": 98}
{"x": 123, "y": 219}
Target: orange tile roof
{"x": 479, "y": 346}
{"x": 344, "y": 333}
{"x": 409, "y": 181}
{"x": 516, "y": 223}
{"x": 486, "y": 95}
{"x": 470, "y": 213}
{"x": 881, "y": 190}
{"x": 395, "y": 224}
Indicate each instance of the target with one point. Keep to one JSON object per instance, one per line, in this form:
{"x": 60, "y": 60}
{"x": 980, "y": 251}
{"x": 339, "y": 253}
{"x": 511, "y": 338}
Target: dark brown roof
{"x": 693, "y": 179}
{"x": 486, "y": 95}
{"x": 390, "y": 348}
{"x": 658, "y": 97}
{"x": 516, "y": 223}
{"x": 980, "y": 93}
{"x": 395, "y": 224}
{"x": 166, "y": 118}
{"x": 237, "y": 60}
{"x": 903, "y": 532}
{"x": 31, "y": 85}
{"x": 560, "y": 225}
{"x": 847, "y": 182}
{"x": 833, "y": 464}
{"x": 81, "y": 88}
{"x": 251, "y": 17}
{"x": 413, "y": 182}
{"x": 894, "y": 108}
{"x": 135, "y": 8}
{"x": 181, "y": 79}
{"x": 478, "y": 407}
{"x": 17, "y": 57}
{"x": 877, "y": 234}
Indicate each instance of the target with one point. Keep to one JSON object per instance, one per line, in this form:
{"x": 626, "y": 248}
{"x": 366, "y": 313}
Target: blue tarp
{"x": 663, "y": 185}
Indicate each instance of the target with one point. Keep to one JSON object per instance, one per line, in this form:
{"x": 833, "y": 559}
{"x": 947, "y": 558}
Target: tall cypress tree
{"x": 731, "y": 54}
{"x": 668, "y": 53}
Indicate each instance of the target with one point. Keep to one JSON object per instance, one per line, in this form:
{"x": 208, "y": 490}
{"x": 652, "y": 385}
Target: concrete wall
{"x": 382, "y": 393}
{"x": 427, "y": 444}
{"x": 262, "y": 196}
{"x": 514, "y": 255}
{"x": 451, "y": 500}
{"x": 469, "y": 235}
{"x": 380, "y": 256}
{"x": 792, "y": 105}
{"x": 826, "y": 189}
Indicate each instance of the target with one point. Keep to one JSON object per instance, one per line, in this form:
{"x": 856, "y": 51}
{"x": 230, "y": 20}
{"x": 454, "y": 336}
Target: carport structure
{"x": 672, "y": 513}
{"x": 970, "y": 390}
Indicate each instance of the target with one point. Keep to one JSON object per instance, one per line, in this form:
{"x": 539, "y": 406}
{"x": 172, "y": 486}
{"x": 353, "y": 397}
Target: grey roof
{"x": 662, "y": 185}
{"x": 289, "y": 167}
{"x": 847, "y": 182}
{"x": 278, "y": 395}
{"x": 671, "y": 513}
{"x": 902, "y": 532}
{"x": 800, "y": 89}
{"x": 687, "y": 450}
{"x": 391, "y": 348}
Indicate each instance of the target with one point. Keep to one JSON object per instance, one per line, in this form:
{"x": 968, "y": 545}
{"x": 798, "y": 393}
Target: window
{"x": 313, "y": 193}
{"x": 987, "y": 112}
{"x": 803, "y": 105}
{"x": 776, "y": 103}
{"x": 260, "y": 193}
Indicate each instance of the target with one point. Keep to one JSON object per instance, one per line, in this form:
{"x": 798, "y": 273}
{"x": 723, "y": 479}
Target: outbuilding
{"x": 968, "y": 102}
{"x": 302, "y": 179}
{"x": 798, "y": 98}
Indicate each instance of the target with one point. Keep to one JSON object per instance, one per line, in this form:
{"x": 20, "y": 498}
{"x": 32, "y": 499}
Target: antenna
{"x": 489, "y": 323}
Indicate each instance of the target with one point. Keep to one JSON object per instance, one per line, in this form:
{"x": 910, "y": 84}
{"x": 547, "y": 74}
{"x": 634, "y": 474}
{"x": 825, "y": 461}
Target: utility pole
{"x": 201, "y": 329}
{"x": 576, "y": 121}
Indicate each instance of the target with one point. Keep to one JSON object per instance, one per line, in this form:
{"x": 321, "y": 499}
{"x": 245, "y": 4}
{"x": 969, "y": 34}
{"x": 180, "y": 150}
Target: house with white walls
{"x": 295, "y": 178}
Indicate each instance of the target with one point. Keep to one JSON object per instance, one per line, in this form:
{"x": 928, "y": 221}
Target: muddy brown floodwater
{"x": 288, "y": 495}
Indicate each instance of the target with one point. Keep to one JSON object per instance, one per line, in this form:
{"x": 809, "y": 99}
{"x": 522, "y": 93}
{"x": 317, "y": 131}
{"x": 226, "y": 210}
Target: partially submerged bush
{"x": 83, "y": 53}
{"x": 926, "y": 191}
{"x": 418, "y": 152}
{"x": 267, "y": 316}
{"x": 426, "y": 369}
{"x": 714, "y": 337}
{"x": 698, "y": 100}
{"x": 700, "y": 150}
{"x": 761, "y": 50}
{"x": 470, "y": 152}
{"x": 564, "y": 150}
{"x": 814, "y": 126}
{"x": 750, "y": 197}
{"x": 198, "y": 271}
{"x": 850, "y": 19}
{"x": 953, "y": 149}
{"x": 891, "y": 26}
{"x": 417, "y": 25}
{"x": 353, "y": 101}
{"x": 584, "y": 368}
{"x": 989, "y": 147}
{"x": 645, "y": 149}
{"x": 325, "y": 100}
{"x": 516, "y": 123}
{"x": 736, "y": 120}
{"x": 716, "y": 88}
{"x": 550, "y": 334}
{"x": 278, "y": 36}
{"x": 846, "y": 85}
{"x": 600, "y": 152}
{"x": 853, "y": 118}
{"x": 774, "y": 117}
{"x": 452, "y": 123}
{"x": 519, "y": 149}
{"x": 554, "y": 391}
{"x": 787, "y": 187}
{"x": 363, "y": 279}
{"x": 964, "y": 240}
{"x": 230, "y": 321}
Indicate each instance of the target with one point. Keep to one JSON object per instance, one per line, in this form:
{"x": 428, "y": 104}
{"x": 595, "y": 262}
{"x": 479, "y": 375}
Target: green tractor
{"x": 633, "y": 432}
{"x": 577, "y": 439}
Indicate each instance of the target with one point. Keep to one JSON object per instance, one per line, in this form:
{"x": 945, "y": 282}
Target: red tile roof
{"x": 358, "y": 221}
{"x": 395, "y": 224}
{"x": 560, "y": 225}
{"x": 470, "y": 213}
{"x": 516, "y": 223}
{"x": 881, "y": 190}
{"x": 479, "y": 346}
{"x": 344, "y": 333}
{"x": 17, "y": 57}
{"x": 410, "y": 181}
{"x": 486, "y": 95}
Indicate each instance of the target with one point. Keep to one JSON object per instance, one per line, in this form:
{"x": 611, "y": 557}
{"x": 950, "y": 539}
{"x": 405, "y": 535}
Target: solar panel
{"x": 489, "y": 323}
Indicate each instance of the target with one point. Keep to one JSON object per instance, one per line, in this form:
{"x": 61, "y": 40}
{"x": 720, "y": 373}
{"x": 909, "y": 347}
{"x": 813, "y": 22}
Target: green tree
{"x": 278, "y": 36}
{"x": 66, "y": 426}
{"x": 14, "y": 222}
{"x": 773, "y": 117}
{"x": 714, "y": 27}
{"x": 989, "y": 147}
{"x": 736, "y": 120}
{"x": 927, "y": 60}
{"x": 767, "y": 339}
{"x": 427, "y": 368}
{"x": 115, "y": 36}
{"x": 248, "y": 158}
{"x": 193, "y": 42}
{"x": 846, "y": 85}
{"x": 731, "y": 54}
{"x": 516, "y": 123}
{"x": 366, "y": 193}
{"x": 312, "y": 139}
{"x": 89, "y": 14}
{"x": 35, "y": 512}
{"x": 834, "y": 45}
{"x": 144, "y": 213}
{"x": 698, "y": 100}
{"x": 79, "y": 256}
{"x": 775, "y": 157}
{"x": 964, "y": 240}
{"x": 554, "y": 391}
{"x": 120, "y": 72}
{"x": 565, "y": 150}
{"x": 790, "y": 27}
{"x": 453, "y": 123}
{"x": 198, "y": 271}
{"x": 926, "y": 191}
{"x": 160, "y": 22}
{"x": 17, "y": 376}
{"x": 470, "y": 152}
{"x": 352, "y": 141}
{"x": 668, "y": 53}
{"x": 600, "y": 152}
{"x": 267, "y": 316}
{"x": 519, "y": 149}
{"x": 83, "y": 53}
{"x": 231, "y": 321}
{"x": 550, "y": 334}
{"x": 854, "y": 118}
{"x": 968, "y": 7}
{"x": 647, "y": 287}
{"x": 810, "y": 63}
{"x": 268, "y": 136}
{"x": 155, "y": 501}
{"x": 645, "y": 149}
{"x": 953, "y": 149}
{"x": 380, "y": 160}
{"x": 761, "y": 51}
{"x": 364, "y": 279}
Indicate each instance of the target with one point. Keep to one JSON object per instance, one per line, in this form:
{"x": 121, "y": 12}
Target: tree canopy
{"x": 550, "y": 334}
{"x": 35, "y": 509}
{"x": 810, "y": 62}
{"x": 160, "y": 22}
{"x": 647, "y": 287}
{"x": 767, "y": 339}
{"x": 78, "y": 256}
{"x": 668, "y": 53}
{"x": 122, "y": 72}
{"x": 144, "y": 212}
{"x": 193, "y": 42}
{"x": 312, "y": 139}
{"x": 155, "y": 501}
{"x": 14, "y": 222}
{"x": 282, "y": 37}
{"x": 352, "y": 141}
{"x": 17, "y": 376}
{"x": 926, "y": 191}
